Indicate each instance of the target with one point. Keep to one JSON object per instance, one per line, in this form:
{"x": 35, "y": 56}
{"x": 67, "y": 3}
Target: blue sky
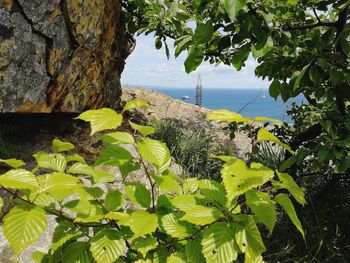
{"x": 147, "y": 66}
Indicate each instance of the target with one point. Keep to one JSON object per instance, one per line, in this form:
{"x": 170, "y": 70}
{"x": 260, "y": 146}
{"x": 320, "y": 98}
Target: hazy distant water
{"x": 261, "y": 104}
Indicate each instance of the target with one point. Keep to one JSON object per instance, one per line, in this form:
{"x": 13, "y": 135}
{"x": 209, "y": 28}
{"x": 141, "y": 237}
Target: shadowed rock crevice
{"x": 61, "y": 55}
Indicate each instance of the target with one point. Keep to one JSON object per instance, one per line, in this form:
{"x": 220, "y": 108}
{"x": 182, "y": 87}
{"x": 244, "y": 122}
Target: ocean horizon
{"x": 248, "y": 102}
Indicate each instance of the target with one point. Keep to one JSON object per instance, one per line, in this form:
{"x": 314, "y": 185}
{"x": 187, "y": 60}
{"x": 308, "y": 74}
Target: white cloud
{"x": 150, "y": 67}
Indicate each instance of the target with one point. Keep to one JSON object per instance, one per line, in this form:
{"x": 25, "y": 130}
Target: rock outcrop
{"x": 61, "y": 55}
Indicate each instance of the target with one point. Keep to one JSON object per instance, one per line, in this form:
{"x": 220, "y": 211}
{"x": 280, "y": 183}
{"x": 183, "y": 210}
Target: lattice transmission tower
{"x": 199, "y": 88}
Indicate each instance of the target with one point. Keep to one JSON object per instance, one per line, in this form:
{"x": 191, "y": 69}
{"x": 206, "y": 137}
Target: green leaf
{"x": 174, "y": 227}
{"x": 138, "y": 194}
{"x": 193, "y": 251}
{"x": 248, "y": 237}
{"x": 133, "y": 104}
{"x": 193, "y": 60}
{"x": 101, "y": 119}
{"x": 75, "y": 158}
{"x": 182, "y": 44}
{"x": 14, "y": 163}
{"x": 155, "y": 152}
{"x": 113, "y": 155}
{"x": 64, "y": 232}
{"x": 81, "y": 207}
{"x": 99, "y": 176}
{"x": 233, "y": 7}
{"x": 203, "y": 33}
{"x": 114, "y": 200}
{"x": 107, "y": 246}
{"x": 263, "y": 208}
{"x": 143, "y": 130}
{"x": 269, "y": 120}
{"x": 201, "y": 215}
{"x": 168, "y": 184}
{"x": 55, "y": 162}
{"x": 238, "y": 58}
{"x": 77, "y": 252}
{"x": 184, "y": 202}
{"x": 213, "y": 191}
{"x": 265, "y": 135}
{"x": 118, "y": 138}
{"x": 238, "y": 178}
{"x": 142, "y": 223}
{"x": 23, "y": 226}
{"x": 143, "y": 245}
{"x": 60, "y": 146}
{"x": 275, "y": 89}
{"x": 176, "y": 258}
{"x": 58, "y": 185}
{"x": 299, "y": 77}
{"x": 288, "y": 183}
{"x": 226, "y": 116}
{"x": 19, "y": 179}
{"x": 284, "y": 201}
{"x": 38, "y": 256}
{"x": 219, "y": 244}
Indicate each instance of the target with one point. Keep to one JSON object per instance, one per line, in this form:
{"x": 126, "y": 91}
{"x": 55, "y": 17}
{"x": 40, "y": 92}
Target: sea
{"x": 248, "y": 102}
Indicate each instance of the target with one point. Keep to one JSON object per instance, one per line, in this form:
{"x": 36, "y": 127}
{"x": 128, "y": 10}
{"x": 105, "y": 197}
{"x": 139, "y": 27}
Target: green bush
{"x": 192, "y": 147}
{"x": 170, "y": 219}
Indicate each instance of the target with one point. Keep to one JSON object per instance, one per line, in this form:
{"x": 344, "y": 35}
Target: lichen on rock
{"x": 60, "y": 55}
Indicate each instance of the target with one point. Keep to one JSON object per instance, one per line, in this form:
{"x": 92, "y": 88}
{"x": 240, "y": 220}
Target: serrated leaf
{"x": 203, "y": 33}
{"x": 218, "y": 244}
{"x": 107, "y": 246}
{"x": 58, "y": 185}
{"x": 176, "y": 258}
{"x": 19, "y": 179}
{"x": 168, "y": 184}
{"x": 184, "y": 202}
{"x": 82, "y": 207}
{"x": 118, "y": 138}
{"x": 269, "y": 120}
{"x": 213, "y": 191}
{"x": 265, "y": 135}
{"x": 23, "y": 226}
{"x": 288, "y": 183}
{"x": 155, "y": 152}
{"x": 138, "y": 194}
{"x": 55, "y": 162}
{"x": 133, "y": 104}
{"x": 233, "y": 7}
{"x": 143, "y": 245}
{"x": 102, "y": 119}
{"x": 77, "y": 252}
{"x": 193, "y": 251}
{"x": 226, "y": 116}
{"x": 38, "y": 256}
{"x": 61, "y": 146}
{"x": 75, "y": 158}
{"x": 201, "y": 215}
{"x": 174, "y": 227}
{"x": 64, "y": 232}
{"x": 99, "y": 176}
{"x": 284, "y": 201}
{"x": 114, "y": 200}
{"x": 189, "y": 185}
{"x": 143, "y": 130}
{"x": 14, "y": 163}
{"x": 238, "y": 178}
{"x": 142, "y": 223}
{"x": 114, "y": 155}
{"x": 263, "y": 208}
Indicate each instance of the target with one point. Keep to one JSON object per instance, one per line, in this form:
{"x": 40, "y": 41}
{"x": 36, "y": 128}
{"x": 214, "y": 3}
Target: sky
{"x": 147, "y": 66}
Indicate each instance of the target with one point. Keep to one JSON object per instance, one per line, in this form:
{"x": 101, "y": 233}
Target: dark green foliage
{"x": 192, "y": 147}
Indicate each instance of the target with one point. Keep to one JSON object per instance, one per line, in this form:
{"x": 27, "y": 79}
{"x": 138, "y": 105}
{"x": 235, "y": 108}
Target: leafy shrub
{"x": 171, "y": 219}
{"x": 192, "y": 147}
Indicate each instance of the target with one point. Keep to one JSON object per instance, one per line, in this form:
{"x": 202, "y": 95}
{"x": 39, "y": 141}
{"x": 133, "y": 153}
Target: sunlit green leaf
{"x": 265, "y": 135}
{"x": 138, "y": 194}
{"x": 288, "y": 183}
{"x": 144, "y": 130}
{"x": 142, "y": 223}
{"x": 19, "y": 179}
{"x": 77, "y": 252}
{"x": 101, "y": 119}
{"x": 55, "y": 162}
{"x": 114, "y": 200}
{"x": 193, "y": 251}
{"x": 14, "y": 163}
{"x": 174, "y": 227}
{"x": 61, "y": 146}
{"x": 203, "y": 33}
{"x": 233, "y": 7}
{"x": 155, "y": 152}
{"x": 144, "y": 244}
{"x": 201, "y": 215}
{"x": 226, "y": 116}
{"x": 133, "y": 104}
{"x": 118, "y": 138}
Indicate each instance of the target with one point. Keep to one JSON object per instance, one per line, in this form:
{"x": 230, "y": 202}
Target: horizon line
{"x": 173, "y": 87}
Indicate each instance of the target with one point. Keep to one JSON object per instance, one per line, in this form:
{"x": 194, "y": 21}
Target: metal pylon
{"x": 199, "y": 88}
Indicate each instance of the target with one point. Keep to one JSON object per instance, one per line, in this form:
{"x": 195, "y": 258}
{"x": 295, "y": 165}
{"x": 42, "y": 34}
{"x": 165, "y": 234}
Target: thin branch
{"x": 310, "y": 26}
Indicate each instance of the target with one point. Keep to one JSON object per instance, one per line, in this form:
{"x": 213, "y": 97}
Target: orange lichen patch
{"x": 54, "y": 59}
{"x": 7, "y": 4}
{"x": 29, "y": 106}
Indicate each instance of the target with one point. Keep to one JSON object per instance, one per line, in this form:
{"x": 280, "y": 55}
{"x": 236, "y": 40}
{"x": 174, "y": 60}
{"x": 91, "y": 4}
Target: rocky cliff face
{"x": 60, "y": 55}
